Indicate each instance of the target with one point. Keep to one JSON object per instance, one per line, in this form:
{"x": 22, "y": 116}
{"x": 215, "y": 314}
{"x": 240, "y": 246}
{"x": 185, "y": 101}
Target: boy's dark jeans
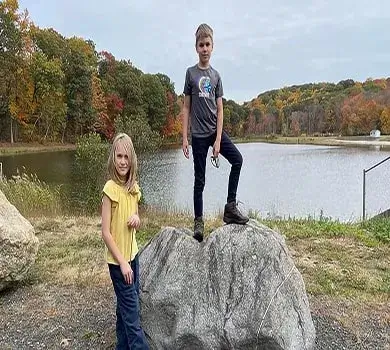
{"x": 128, "y": 329}
{"x": 228, "y": 150}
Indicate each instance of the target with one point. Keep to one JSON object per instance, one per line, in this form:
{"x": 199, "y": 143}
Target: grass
{"x": 9, "y": 149}
{"x": 70, "y": 252}
{"x": 335, "y": 259}
{"x": 345, "y": 260}
{"x": 371, "y": 232}
{"x": 31, "y": 196}
{"x": 343, "y": 267}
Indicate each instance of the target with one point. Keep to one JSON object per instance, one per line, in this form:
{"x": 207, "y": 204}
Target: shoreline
{"x": 383, "y": 143}
{"x": 7, "y": 148}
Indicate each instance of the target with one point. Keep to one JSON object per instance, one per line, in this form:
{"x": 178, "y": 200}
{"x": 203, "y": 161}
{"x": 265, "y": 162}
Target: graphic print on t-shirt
{"x": 204, "y": 86}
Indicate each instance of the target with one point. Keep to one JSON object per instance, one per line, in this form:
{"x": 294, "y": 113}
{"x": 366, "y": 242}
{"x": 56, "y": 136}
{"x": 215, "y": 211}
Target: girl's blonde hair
{"x": 111, "y": 169}
{"x": 203, "y": 31}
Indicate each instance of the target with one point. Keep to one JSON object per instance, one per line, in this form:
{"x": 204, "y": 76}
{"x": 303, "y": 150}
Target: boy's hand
{"x": 134, "y": 221}
{"x": 185, "y": 148}
{"x": 216, "y": 148}
{"x": 127, "y": 272}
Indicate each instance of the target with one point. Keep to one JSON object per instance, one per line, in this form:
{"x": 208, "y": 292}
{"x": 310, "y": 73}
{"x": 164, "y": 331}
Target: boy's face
{"x": 204, "y": 47}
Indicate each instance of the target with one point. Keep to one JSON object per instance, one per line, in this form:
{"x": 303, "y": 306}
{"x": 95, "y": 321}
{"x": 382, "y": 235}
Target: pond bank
{"x": 17, "y": 148}
{"x": 383, "y": 142}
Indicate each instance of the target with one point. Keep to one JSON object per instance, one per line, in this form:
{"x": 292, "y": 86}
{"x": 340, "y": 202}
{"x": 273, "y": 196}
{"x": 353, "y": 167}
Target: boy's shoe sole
{"x": 198, "y": 237}
{"x": 228, "y": 220}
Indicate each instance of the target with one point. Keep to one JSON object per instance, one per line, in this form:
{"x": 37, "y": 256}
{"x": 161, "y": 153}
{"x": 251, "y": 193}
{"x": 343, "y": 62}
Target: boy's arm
{"x": 186, "y": 113}
{"x": 217, "y": 143}
{"x": 108, "y": 240}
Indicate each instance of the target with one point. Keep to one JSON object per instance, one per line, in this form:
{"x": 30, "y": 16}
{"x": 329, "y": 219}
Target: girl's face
{"x": 122, "y": 161}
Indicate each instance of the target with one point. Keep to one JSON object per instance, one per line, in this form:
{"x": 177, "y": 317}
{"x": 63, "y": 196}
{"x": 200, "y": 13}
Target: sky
{"x": 259, "y": 45}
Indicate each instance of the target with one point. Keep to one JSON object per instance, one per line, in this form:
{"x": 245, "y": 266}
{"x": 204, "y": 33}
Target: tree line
{"x": 346, "y": 108}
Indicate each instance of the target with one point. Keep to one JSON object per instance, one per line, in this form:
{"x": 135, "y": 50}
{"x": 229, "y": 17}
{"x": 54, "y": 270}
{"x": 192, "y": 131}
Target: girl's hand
{"x": 127, "y": 272}
{"x": 134, "y": 221}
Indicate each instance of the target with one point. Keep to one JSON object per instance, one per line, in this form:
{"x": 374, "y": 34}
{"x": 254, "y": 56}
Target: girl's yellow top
{"x": 123, "y": 205}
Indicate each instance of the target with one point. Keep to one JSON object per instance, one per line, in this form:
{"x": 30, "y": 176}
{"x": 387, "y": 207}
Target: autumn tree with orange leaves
{"x": 359, "y": 115}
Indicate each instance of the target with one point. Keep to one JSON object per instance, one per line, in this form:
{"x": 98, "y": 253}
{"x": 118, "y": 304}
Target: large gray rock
{"x": 238, "y": 290}
{"x": 18, "y": 244}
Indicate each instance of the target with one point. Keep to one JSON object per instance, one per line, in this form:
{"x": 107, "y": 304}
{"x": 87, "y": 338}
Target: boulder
{"x": 239, "y": 289}
{"x": 18, "y": 244}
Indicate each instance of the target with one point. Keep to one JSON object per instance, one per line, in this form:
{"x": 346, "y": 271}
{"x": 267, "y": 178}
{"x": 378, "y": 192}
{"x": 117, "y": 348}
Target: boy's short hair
{"x": 203, "y": 31}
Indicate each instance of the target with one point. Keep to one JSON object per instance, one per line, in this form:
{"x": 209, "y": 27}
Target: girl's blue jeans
{"x": 129, "y": 333}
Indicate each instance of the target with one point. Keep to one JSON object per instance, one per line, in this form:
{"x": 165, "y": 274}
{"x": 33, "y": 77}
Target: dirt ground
{"x": 83, "y": 317}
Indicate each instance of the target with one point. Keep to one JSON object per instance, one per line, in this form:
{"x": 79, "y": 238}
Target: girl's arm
{"x": 108, "y": 240}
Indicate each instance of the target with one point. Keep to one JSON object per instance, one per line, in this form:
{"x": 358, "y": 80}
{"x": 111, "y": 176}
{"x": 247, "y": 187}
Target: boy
{"x": 203, "y": 101}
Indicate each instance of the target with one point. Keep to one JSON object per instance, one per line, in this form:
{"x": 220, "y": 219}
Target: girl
{"x": 120, "y": 219}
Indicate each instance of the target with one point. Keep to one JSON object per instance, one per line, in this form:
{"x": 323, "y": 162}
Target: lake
{"x": 276, "y": 180}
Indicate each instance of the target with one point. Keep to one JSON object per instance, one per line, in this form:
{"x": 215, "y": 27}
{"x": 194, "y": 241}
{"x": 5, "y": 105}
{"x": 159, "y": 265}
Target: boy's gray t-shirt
{"x": 204, "y": 86}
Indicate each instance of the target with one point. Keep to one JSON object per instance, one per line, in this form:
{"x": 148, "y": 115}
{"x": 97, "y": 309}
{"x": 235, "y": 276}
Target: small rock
{"x": 64, "y": 343}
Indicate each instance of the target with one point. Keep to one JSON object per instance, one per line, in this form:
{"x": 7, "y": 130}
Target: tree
{"x": 173, "y": 123}
{"x": 155, "y": 101}
{"x": 385, "y": 120}
{"x": 250, "y": 126}
{"x": 11, "y": 59}
{"x": 330, "y": 119}
{"x": 89, "y": 175}
{"x": 359, "y": 115}
{"x": 295, "y": 124}
{"x": 137, "y": 127}
{"x": 49, "y": 42}
{"x": 127, "y": 84}
{"x": 49, "y": 94}
{"x": 227, "y": 123}
{"x": 79, "y": 64}
{"x": 169, "y": 86}
{"x": 99, "y": 107}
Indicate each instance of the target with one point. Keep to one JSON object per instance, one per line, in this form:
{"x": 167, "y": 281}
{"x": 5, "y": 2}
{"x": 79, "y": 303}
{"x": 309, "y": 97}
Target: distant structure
{"x": 375, "y": 133}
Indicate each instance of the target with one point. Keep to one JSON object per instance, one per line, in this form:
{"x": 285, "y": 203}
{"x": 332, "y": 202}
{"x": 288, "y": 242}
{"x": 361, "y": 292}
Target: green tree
{"x": 49, "y": 42}
{"x": 145, "y": 140}
{"x": 11, "y": 57}
{"x": 127, "y": 84}
{"x": 89, "y": 173}
{"x": 80, "y": 62}
{"x": 155, "y": 101}
{"x": 49, "y": 94}
{"x": 137, "y": 127}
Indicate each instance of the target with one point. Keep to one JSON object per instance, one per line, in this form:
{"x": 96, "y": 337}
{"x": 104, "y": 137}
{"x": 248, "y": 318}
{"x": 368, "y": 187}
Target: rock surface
{"x": 18, "y": 244}
{"x": 239, "y": 289}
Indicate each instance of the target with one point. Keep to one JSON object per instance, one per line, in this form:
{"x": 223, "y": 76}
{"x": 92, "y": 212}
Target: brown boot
{"x": 232, "y": 214}
{"x": 198, "y": 229}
